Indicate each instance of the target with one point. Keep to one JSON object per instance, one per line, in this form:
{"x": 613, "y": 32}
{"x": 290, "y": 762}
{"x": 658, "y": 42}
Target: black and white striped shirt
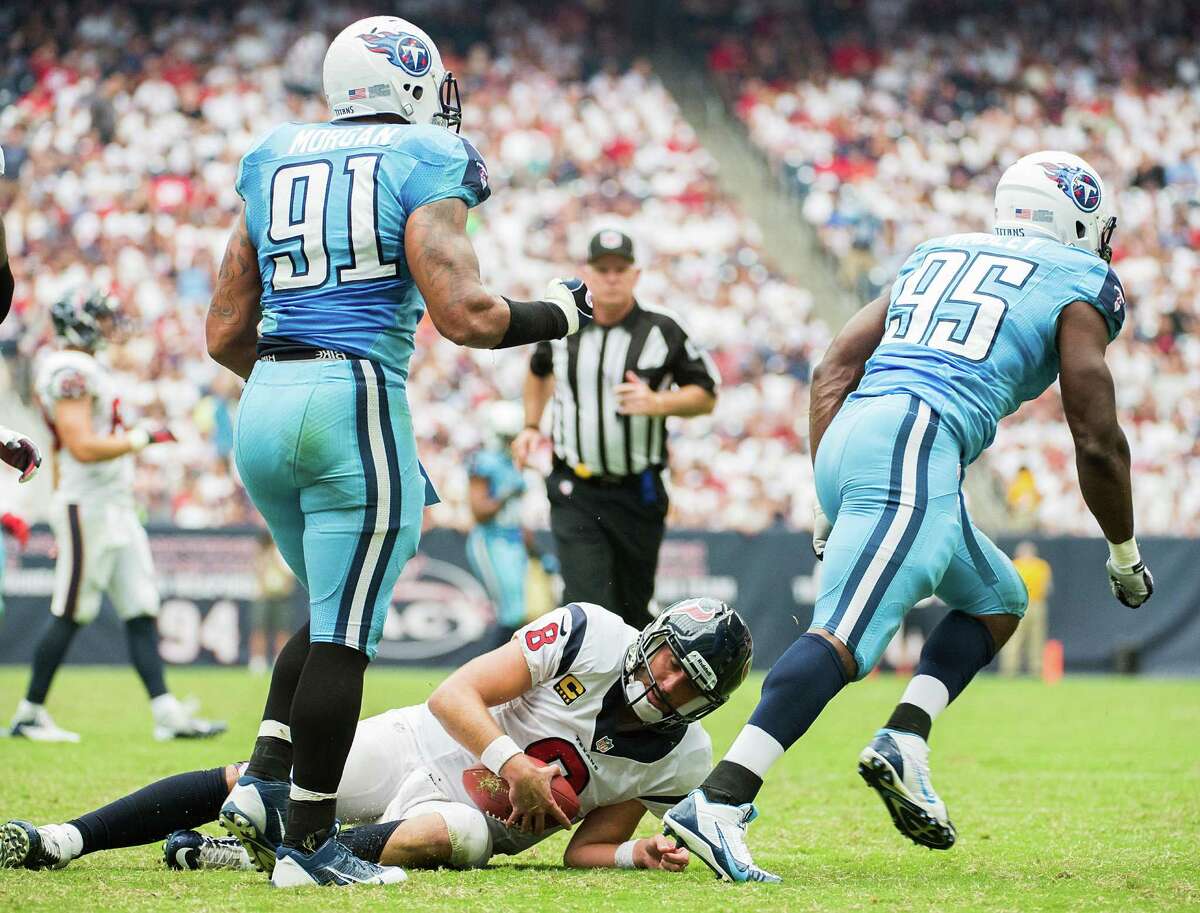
{"x": 586, "y": 428}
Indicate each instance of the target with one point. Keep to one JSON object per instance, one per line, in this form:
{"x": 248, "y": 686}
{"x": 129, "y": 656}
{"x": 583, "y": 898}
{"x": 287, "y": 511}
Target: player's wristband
{"x": 1124, "y": 555}
{"x": 624, "y": 855}
{"x": 533, "y": 321}
{"x": 139, "y": 439}
{"x": 498, "y": 753}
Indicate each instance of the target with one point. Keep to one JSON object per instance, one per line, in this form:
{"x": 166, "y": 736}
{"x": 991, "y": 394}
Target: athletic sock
{"x": 272, "y": 755}
{"x": 910, "y": 718}
{"x": 323, "y": 719}
{"x": 49, "y": 656}
{"x": 368, "y": 840}
{"x": 309, "y": 819}
{"x": 795, "y": 692}
{"x": 180, "y": 801}
{"x": 142, "y": 636}
{"x": 959, "y": 647}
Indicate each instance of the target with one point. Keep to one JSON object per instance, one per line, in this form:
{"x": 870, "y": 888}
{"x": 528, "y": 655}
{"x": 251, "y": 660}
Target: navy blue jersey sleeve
{"x": 1101, "y": 288}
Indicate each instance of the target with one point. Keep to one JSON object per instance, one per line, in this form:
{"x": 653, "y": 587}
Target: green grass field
{"x": 1081, "y": 796}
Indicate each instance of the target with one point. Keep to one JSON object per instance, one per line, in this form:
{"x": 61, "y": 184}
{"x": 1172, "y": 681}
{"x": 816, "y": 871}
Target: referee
{"x": 613, "y": 384}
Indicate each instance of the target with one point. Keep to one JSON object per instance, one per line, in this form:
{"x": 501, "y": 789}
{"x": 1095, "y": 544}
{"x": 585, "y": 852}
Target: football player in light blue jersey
{"x": 907, "y": 396}
{"x": 496, "y": 546}
{"x": 351, "y": 229}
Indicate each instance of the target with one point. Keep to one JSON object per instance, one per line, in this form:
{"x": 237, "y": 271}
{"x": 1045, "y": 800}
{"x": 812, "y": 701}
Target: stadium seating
{"x": 124, "y": 132}
{"x": 891, "y": 132}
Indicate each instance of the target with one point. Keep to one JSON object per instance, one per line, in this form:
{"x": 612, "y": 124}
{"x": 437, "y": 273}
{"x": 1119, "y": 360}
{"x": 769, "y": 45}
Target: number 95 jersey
{"x": 972, "y": 327}
{"x": 575, "y": 715}
{"x": 326, "y": 206}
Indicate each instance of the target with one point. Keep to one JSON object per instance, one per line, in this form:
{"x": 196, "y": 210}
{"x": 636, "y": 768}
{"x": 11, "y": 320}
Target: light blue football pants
{"x": 326, "y": 452}
{"x": 888, "y": 477}
{"x": 499, "y": 559}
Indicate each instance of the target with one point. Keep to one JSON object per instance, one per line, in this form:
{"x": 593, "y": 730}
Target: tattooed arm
{"x": 446, "y": 270}
{"x": 232, "y": 325}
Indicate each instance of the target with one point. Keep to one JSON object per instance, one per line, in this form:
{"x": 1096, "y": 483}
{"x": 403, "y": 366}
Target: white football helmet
{"x": 505, "y": 420}
{"x": 386, "y": 65}
{"x": 1056, "y": 195}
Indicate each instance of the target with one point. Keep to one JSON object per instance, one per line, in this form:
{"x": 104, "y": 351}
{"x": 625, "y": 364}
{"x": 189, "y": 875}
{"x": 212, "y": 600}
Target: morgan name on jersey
{"x": 326, "y": 210}
{"x": 72, "y": 374}
{"x": 574, "y": 717}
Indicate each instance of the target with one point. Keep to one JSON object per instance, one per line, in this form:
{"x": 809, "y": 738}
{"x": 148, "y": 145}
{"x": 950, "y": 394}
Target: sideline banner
{"x": 440, "y": 614}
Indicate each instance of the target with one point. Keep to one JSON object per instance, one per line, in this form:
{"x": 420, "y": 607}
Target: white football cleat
{"x": 896, "y": 765}
{"x": 39, "y": 726}
{"x": 24, "y": 846}
{"x": 174, "y": 719}
{"x": 717, "y": 834}
{"x": 330, "y": 865}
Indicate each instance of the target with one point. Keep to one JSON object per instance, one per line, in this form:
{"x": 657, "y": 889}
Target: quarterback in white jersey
{"x": 102, "y": 547}
{"x": 613, "y": 709}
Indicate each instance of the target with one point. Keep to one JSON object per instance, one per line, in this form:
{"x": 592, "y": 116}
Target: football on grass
{"x": 490, "y": 792}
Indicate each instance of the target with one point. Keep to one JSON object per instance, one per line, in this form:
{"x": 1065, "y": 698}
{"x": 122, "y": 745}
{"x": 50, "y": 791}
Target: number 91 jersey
{"x": 326, "y": 206}
{"x": 574, "y": 715}
{"x": 972, "y": 327}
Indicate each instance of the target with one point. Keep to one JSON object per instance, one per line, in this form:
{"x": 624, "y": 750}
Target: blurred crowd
{"x": 123, "y": 131}
{"x": 892, "y": 121}
{"x": 123, "y": 126}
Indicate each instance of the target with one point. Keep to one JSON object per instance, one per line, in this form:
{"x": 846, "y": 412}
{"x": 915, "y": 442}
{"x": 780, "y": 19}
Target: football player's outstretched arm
{"x": 605, "y": 833}
{"x": 232, "y": 325}
{"x": 842, "y": 368}
{"x": 446, "y": 270}
{"x": 73, "y": 425}
{"x": 461, "y": 704}
{"x": 1089, "y": 401}
{"x": 1101, "y": 450}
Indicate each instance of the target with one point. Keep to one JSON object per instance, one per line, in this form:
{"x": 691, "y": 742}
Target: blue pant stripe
{"x": 396, "y": 501}
{"x": 906, "y": 540}
{"x": 982, "y": 566}
{"x": 364, "y": 539}
{"x": 885, "y": 520}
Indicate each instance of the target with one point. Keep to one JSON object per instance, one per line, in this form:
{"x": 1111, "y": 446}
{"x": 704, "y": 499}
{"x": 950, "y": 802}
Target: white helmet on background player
{"x": 1056, "y": 195}
{"x": 386, "y": 65}
{"x": 505, "y": 420}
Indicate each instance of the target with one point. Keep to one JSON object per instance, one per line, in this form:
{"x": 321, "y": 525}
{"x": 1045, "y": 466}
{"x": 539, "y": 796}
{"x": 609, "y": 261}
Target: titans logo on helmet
{"x": 408, "y": 52}
{"x": 1080, "y": 187}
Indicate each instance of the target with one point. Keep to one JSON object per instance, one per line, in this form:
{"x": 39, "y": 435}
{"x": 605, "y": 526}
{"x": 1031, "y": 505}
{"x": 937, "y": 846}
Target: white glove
{"x": 1131, "y": 585}
{"x": 821, "y": 530}
{"x": 574, "y": 299}
{"x": 1, "y": 160}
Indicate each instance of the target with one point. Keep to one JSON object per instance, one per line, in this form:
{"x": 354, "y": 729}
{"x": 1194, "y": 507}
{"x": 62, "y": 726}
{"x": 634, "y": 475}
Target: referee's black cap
{"x": 610, "y": 242}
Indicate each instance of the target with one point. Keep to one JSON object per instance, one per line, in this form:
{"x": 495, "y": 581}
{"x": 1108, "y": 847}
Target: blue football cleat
{"x": 717, "y": 834}
{"x": 255, "y": 813}
{"x": 193, "y": 850}
{"x": 896, "y": 765}
{"x": 330, "y": 865}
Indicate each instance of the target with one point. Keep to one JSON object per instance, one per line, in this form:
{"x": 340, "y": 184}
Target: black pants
{"x": 607, "y": 537}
